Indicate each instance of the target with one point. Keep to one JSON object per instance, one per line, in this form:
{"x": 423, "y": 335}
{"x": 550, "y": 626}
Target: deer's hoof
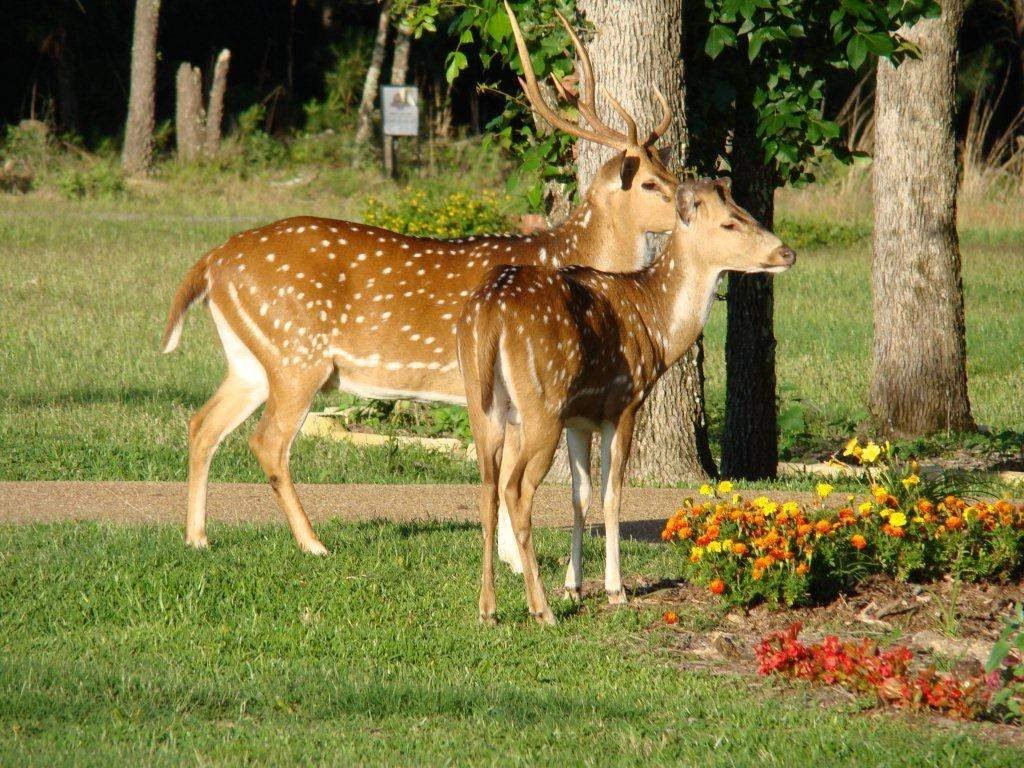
{"x": 573, "y": 595}
{"x": 197, "y": 542}
{"x": 315, "y": 548}
{"x": 545, "y": 617}
{"x": 489, "y": 619}
{"x": 618, "y": 598}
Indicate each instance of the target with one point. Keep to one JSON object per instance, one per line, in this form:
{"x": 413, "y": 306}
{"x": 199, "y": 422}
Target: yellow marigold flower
{"x": 727, "y": 545}
{"x": 880, "y": 493}
{"x": 852, "y": 447}
{"x": 897, "y": 519}
{"x": 870, "y": 453}
{"x": 706, "y": 490}
{"x": 696, "y": 554}
{"x": 824, "y": 490}
{"x": 790, "y": 507}
{"x": 910, "y": 480}
{"x": 761, "y": 502}
{"x": 714, "y": 547}
{"x": 770, "y": 508}
{"x": 866, "y": 507}
{"x": 918, "y": 519}
{"x": 725, "y": 487}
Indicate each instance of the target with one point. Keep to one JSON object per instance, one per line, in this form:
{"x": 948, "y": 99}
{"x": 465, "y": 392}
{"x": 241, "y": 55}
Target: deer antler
{"x": 584, "y": 99}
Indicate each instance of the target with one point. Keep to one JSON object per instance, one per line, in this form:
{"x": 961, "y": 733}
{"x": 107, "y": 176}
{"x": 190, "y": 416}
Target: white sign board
{"x": 401, "y": 107}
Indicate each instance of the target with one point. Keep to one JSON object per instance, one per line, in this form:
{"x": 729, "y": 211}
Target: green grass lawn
{"x": 86, "y": 286}
{"x": 119, "y": 647}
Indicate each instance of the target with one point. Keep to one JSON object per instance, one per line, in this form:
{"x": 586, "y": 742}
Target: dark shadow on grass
{"x": 158, "y": 396}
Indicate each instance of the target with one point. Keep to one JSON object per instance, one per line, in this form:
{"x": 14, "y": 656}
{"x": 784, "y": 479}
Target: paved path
{"x": 644, "y": 510}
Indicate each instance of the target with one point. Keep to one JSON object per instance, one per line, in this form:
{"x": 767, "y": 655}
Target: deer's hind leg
{"x": 537, "y": 449}
{"x": 243, "y": 390}
{"x": 287, "y": 405}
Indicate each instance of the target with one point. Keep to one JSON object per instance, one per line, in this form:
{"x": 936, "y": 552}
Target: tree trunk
{"x": 67, "y": 91}
{"x": 138, "y": 132}
{"x": 215, "y": 111}
{"x": 750, "y": 436}
{"x": 919, "y": 376}
{"x": 399, "y": 70}
{"x": 188, "y": 113}
{"x": 637, "y": 46}
{"x": 364, "y": 128}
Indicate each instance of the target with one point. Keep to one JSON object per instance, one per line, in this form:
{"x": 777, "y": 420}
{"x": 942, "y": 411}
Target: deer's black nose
{"x": 786, "y": 255}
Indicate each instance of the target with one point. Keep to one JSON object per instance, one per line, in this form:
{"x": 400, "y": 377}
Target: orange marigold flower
{"x": 763, "y": 562}
{"x": 716, "y": 587}
{"x": 858, "y": 541}
{"x": 893, "y": 531}
{"x": 666, "y": 534}
{"x": 802, "y": 569}
{"x": 823, "y": 527}
{"x": 670, "y": 617}
{"x": 925, "y": 507}
{"x": 954, "y": 523}
{"x": 740, "y": 549}
{"x": 804, "y": 529}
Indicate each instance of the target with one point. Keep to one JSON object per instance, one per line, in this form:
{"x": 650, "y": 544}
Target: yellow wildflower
{"x": 790, "y": 507}
{"x": 870, "y": 453}
{"x": 761, "y": 502}
{"x": 852, "y": 447}
{"x": 706, "y": 490}
{"x": 696, "y": 554}
{"x": 824, "y": 490}
{"x": 725, "y": 487}
{"x": 714, "y": 547}
{"x": 897, "y": 519}
{"x": 910, "y": 480}
{"x": 880, "y": 493}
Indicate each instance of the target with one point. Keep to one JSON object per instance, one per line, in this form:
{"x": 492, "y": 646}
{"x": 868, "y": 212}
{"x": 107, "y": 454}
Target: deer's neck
{"x": 680, "y": 289}
{"x": 593, "y": 237}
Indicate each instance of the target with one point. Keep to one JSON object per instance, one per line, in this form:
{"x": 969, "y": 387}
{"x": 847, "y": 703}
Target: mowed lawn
{"x": 119, "y": 647}
{"x": 86, "y": 394}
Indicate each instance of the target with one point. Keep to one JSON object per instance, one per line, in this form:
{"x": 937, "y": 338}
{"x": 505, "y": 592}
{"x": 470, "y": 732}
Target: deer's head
{"x": 635, "y": 187}
{"x": 725, "y": 237}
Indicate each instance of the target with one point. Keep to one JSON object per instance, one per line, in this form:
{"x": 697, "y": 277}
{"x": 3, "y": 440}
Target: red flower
{"x": 670, "y": 617}
{"x": 858, "y": 541}
{"x": 716, "y": 587}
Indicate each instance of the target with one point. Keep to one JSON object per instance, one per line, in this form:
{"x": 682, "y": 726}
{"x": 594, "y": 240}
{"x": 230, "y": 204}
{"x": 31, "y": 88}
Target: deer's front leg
{"x": 616, "y": 440}
{"x": 578, "y": 442}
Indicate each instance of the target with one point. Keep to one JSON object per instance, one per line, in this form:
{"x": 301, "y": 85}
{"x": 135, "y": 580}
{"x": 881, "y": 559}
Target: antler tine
{"x": 588, "y": 86}
{"x": 627, "y": 118}
{"x": 536, "y": 99}
{"x": 666, "y": 119}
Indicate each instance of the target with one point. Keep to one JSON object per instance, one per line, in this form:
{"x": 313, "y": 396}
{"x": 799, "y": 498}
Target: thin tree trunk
{"x": 399, "y": 70}
{"x": 636, "y": 47}
{"x": 188, "y": 113}
{"x": 215, "y": 111}
{"x": 67, "y": 91}
{"x": 919, "y": 376}
{"x": 138, "y": 134}
{"x": 364, "y": 127}
{"x": 750, "y": 435}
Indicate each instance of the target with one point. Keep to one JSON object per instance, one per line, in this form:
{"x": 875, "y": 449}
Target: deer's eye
{"x": 730, "y": 225}
{"x": 650, "y": 186}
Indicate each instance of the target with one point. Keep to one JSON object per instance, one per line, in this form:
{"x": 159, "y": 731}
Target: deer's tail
{"x": 193, "y": 287}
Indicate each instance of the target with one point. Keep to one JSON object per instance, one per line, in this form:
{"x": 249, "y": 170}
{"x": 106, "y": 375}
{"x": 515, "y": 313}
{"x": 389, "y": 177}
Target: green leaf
{"x": 719, "y": 36}
{"x": 856, "y": 51}
{"x": 498, "y": 26}
{"x": 466, "y": 36}
{"x": 456, "y": 62}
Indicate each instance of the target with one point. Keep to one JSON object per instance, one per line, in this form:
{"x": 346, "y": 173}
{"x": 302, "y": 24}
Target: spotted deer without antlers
{"x": 308, "y": 303}
{"x": 544, "y": 349}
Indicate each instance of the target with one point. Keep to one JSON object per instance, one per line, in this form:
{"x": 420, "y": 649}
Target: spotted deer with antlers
{"x": 309, "y": 303}
{"x": 544, "y": 349}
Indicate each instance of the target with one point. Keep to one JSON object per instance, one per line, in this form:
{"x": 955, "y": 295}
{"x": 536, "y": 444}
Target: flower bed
{"x": 784, "y": 552}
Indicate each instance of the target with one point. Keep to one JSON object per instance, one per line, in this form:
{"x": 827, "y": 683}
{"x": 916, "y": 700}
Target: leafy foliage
{"x": 775, "y": 56}
{"x": 1007, "y": 662}
{"x": 483, "y": 27}
{"x": 453, "y": 215}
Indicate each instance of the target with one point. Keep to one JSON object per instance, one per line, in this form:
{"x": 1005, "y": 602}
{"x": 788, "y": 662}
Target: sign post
{"x": 400, "y": 107}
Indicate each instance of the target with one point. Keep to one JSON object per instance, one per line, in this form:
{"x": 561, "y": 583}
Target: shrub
{"x": 762, "y": 550}
{"x": 455, "y": 215}
{"x": 101, "y": 180}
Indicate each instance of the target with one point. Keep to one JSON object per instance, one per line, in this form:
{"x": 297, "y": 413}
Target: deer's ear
{"x": 665, "y": 155}
{"x": 627, "y": 170}
{"x": 686, "y": 203}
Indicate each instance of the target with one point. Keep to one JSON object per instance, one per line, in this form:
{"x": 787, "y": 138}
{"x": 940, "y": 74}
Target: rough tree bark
{"x": 750, "y": 436}
{"x": 138, "y": 133}
{"x": 188, "y": 112}
{"x": 215, "y": 107}
{"x": 399, "y": 69}
{"x": 637, "y": 46}
{"x": 364, "y": 126}
{"x": 919, "y": 375}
